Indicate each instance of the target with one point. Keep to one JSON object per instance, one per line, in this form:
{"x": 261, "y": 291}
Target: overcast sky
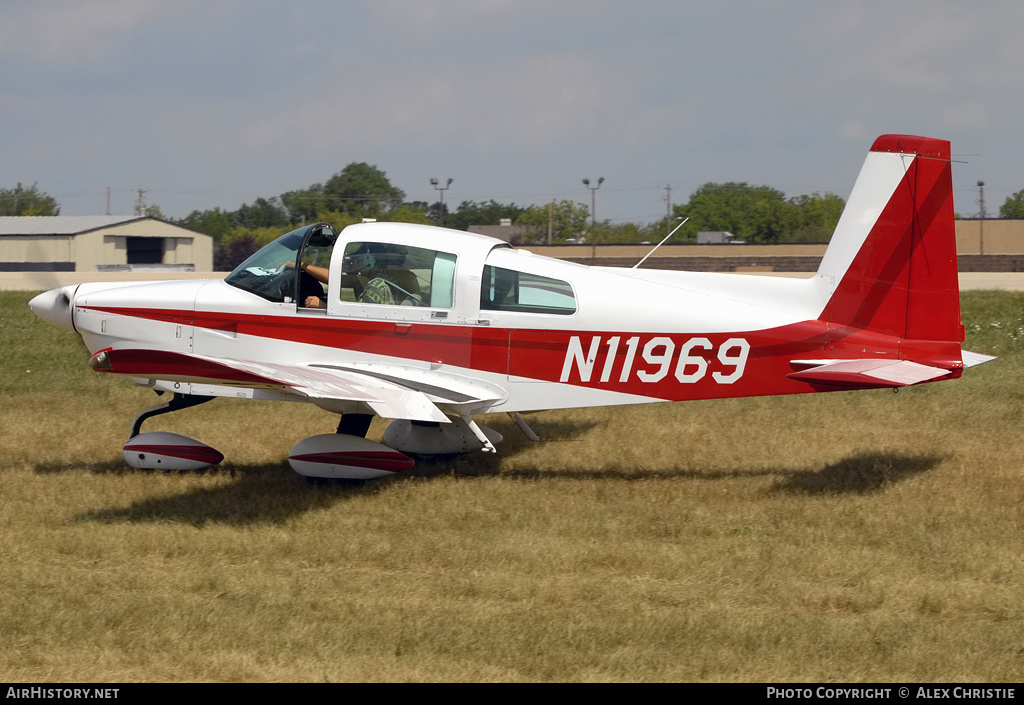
{"x": 213, "y": 103}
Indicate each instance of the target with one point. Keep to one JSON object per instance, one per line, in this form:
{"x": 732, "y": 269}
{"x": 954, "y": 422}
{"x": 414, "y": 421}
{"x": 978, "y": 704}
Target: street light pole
{"x": 436, "y": 184}
{"x": 593, "y": 200}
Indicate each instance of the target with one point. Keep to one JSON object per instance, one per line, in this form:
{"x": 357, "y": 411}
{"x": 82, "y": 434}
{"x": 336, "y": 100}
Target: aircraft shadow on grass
{"x": 258, "y": 494}
{"x": 107, "y": 467}
{"x": 859, "y": 474}
{"x": 270, "y": 493}
{"x": 863, "y": 473}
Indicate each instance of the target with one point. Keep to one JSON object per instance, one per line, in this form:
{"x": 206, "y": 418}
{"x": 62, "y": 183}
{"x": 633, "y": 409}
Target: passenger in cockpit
{"x": 375, "y": 274}
{"x": 368, "y": 265}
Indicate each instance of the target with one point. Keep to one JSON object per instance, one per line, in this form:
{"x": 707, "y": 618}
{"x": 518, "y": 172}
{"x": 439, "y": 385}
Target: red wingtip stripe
{"x": 198, "y": 453}
{"x": 392, "y": 461}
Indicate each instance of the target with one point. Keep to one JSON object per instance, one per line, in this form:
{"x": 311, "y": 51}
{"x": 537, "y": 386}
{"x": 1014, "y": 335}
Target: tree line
{"x": 27, "y": 201}
{"x": 752, "y": 213}
{"x": 360, "y": 190}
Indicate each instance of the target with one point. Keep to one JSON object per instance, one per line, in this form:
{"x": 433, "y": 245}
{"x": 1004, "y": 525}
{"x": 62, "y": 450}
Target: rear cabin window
{"x": 509, "y": 290}
{"x": 397, "y": 275}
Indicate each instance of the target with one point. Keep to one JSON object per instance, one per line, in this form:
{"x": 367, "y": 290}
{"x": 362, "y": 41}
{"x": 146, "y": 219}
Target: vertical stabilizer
{"x": 891, "y": 266}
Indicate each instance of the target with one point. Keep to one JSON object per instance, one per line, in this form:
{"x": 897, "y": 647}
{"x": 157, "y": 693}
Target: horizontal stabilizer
{"x": 972, "y": 358}
{"x": 867, "y": 373}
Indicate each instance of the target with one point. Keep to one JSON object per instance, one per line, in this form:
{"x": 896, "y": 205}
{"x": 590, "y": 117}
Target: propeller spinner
{"x": 54, "y": 306}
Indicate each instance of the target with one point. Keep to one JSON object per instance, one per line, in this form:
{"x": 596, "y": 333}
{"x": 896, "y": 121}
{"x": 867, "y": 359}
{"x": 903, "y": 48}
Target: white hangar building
{"x": 97, "y": 243}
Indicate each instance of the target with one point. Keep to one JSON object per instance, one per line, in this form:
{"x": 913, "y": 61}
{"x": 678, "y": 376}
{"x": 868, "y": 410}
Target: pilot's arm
{"x": 318, "y": 273}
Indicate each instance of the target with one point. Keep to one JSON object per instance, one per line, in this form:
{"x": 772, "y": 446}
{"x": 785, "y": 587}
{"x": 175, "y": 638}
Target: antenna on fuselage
{"x": 661, "y": 243}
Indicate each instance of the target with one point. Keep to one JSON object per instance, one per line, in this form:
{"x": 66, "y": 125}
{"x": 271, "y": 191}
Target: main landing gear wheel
{"x": 161, "y": 450}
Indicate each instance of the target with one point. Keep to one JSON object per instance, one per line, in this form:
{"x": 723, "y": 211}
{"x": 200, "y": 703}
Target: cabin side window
{"x": 508, "y": 290}
{"x": 397, "y": 275}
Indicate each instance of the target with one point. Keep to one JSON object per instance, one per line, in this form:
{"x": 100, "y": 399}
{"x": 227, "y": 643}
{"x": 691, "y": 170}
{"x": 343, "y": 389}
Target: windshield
{"x": 270, "y": 272}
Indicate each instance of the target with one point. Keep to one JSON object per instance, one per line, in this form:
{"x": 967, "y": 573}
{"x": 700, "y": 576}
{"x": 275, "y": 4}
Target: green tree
{"x": 816, "y": 217}
{"x": 262, "y": 214}
{"x": 362, "y": 190}
{"x": 261, "y": 236}
{"x": 410, "y": 213}
{"x": 27, "y": 201}
{"x": 153, "y": 211}
{"x": 439, "y": 214}
{"x": 339, "y": 220}
{"x": 303, "y": 204}
{"x": 1013, "y": 207}
{"x": 751, "y": 213}
{"x": 568, "y": 220}
{"x": 233, "y": 251}
{"x": 481, "y": 213}
{"x": 213, "y": 222}
{"x": 608, "y": 233}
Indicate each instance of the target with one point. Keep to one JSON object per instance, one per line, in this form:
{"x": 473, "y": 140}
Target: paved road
{"x": 969, "y": 281}
{"x": 1011, "y": 281}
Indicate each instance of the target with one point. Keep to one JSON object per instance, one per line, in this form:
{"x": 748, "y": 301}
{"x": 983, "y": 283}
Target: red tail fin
{"x": 892, "y": 259}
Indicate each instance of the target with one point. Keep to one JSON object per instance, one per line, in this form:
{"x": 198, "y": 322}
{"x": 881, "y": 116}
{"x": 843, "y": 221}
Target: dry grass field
{"x": 865, "y": 536}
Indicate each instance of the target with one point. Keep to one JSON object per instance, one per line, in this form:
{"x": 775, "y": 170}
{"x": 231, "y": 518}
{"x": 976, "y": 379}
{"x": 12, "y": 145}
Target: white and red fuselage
{"x": 469, "y": 325}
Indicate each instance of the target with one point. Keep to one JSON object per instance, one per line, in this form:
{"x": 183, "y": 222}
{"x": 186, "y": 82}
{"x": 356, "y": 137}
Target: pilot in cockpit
{"x": 373, "y": 272}
{"x": 309, "y": 293}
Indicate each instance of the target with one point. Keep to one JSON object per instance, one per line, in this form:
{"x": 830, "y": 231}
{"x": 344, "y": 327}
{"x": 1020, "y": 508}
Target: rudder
{"x": 891, "y": 266}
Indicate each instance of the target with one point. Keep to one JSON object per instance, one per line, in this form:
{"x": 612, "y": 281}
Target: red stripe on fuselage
{"x": 652, "y": 363}
{"x": 473, "y": 347}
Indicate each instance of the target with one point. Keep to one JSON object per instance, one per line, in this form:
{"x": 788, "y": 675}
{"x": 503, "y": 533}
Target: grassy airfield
{"x": 860, "y": 536}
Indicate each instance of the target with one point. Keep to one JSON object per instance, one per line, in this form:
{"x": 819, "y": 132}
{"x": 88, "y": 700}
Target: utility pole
{"x": 668, "y": 201}
{"x": 436, "y": 184}
{"x": 140, "y": 203}
{"x": 593, "y": 200}
{"x": 551, "y": 219}
{"x": 981, "y": 213}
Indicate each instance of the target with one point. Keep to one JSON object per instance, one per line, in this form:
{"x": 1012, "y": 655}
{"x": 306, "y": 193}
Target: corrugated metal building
{"x": 90, "y": 243}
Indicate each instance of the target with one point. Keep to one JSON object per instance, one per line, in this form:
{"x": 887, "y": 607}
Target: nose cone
{"x": 54, "y": 306}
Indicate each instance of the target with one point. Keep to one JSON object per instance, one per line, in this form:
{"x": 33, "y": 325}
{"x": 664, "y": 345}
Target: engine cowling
{"x": 340, "y": 456}
{"x": 421, "y": 438}
{"x": 161, "y": 450}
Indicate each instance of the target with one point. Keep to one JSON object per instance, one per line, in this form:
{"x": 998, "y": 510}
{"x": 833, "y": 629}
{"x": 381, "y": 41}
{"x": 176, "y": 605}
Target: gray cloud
{"x": 215, "y": 103}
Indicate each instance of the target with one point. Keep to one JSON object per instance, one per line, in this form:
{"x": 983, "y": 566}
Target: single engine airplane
{"x": 429, "y": 326}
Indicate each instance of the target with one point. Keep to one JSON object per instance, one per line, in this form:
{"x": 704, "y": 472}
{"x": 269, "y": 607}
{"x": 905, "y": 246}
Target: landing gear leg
{"x": 527, "y": 431}
{"x": 180, "y": 401}
{"x": 478, "y": 432}
{"x": 355, "y": 424}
